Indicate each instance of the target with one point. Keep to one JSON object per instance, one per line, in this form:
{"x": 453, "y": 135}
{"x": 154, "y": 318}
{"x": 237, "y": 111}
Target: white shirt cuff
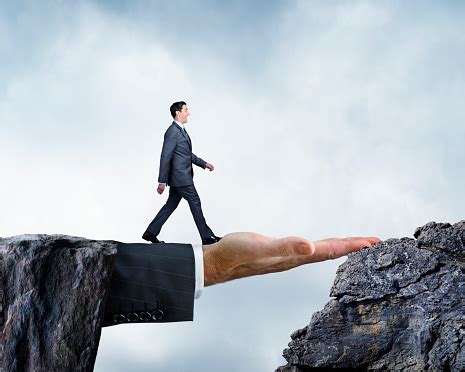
{"x": 198, "y": 257}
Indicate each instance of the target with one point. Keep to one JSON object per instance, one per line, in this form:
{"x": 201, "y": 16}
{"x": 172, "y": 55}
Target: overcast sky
{"x": 322, "y": 118}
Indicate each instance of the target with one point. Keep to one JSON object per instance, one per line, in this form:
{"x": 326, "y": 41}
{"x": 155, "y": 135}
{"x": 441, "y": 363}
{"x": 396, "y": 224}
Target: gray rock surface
{"x": 399, "y": 305}
{"x": 53, "y": 298}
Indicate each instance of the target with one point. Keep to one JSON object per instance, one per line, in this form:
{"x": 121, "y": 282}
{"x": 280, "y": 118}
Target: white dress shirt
{"x": 199, "y": 270}
{"x": 180, "y": 124}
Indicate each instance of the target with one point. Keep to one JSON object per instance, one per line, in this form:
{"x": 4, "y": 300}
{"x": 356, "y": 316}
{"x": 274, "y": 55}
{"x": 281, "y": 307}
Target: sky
{"x": 322, "y": 119}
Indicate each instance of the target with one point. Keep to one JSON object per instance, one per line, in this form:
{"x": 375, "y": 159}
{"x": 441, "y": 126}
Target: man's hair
{"x": 177, "y": 106}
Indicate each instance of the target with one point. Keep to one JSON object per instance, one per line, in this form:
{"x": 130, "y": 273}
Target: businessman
{"x": 154, "y": 283}
{"x": 176, "y": 171}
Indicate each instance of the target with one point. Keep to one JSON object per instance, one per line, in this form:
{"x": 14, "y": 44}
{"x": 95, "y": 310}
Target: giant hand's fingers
{"x": 332, "y": 248}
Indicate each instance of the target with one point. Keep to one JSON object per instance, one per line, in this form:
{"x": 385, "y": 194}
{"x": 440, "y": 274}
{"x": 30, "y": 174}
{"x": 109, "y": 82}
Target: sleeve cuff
{"x": 199, "y": 283}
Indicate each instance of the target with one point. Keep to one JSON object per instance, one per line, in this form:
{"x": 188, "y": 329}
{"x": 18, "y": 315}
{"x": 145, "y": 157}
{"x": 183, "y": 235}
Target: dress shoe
{"x": 211, "y": 240}
{"x": 151, "y": 238}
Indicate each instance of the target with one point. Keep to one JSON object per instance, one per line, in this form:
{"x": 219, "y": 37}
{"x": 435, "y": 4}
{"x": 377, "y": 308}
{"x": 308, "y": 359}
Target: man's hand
{"x": 209, "y": 166}
{"x": 161, "y": 188}
{"x": 239, "y": 255}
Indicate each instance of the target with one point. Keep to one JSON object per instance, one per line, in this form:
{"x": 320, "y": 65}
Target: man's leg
{"x": 190, "y": 194}
{"x": 161, "y": 217}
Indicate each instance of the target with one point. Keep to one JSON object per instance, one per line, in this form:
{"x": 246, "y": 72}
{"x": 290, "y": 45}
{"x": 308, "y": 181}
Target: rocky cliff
{"x": 397, "y": 306}
{"x": 53, "y": 300}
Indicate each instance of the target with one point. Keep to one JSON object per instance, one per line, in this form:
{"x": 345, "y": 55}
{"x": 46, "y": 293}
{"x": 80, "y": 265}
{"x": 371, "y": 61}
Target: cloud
{"x": 321, "y": 119}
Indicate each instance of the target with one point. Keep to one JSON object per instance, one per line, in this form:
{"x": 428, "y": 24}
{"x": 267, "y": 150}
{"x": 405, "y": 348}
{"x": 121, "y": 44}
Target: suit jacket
{"x": 151, "y": 283}
{"x": 177, "y": 158}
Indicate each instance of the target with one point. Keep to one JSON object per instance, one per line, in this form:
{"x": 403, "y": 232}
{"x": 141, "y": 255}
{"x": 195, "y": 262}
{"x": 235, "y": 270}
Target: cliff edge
{"x": 52, "y": 291}
{"x": 399, "y": 305}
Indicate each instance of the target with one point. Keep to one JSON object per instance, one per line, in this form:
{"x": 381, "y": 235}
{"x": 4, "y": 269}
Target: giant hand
{"x": 244, "y": 254}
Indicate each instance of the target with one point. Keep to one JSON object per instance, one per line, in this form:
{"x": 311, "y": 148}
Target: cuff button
{"x": 145, "y": 316}
{"x": 119, "y": 318}
{"x": 132, "y": 317}
{"x": 158, "y": 314}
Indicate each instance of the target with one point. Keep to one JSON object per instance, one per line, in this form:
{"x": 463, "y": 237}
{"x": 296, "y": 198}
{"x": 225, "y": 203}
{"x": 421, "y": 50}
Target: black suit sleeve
{"x": 198, "y": 161}
{"x": 169, "y": 144}
{"x": 151, "y": 283}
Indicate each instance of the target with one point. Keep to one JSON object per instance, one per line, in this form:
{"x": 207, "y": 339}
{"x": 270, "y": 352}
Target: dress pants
{"x": 176, "y": 194}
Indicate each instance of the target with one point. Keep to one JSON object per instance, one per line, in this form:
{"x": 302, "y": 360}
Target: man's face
{"x": 183, "y": 114}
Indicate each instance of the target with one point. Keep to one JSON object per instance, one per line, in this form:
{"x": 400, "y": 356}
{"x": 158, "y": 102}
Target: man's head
{"x": 180, "y": 111}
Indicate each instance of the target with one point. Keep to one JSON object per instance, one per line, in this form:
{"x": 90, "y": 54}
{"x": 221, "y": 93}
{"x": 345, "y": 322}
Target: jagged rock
{"x": 54, "y": 289}
{"x": 399, "y": 305}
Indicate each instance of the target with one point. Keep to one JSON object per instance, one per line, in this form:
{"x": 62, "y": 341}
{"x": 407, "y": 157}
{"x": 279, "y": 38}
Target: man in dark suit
{"x": 153, "y": 283}
{"x": 176, "y": 171}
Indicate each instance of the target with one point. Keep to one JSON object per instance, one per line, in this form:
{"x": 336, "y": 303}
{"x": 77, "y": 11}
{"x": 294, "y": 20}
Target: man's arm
{"x": 202, "y": 163}
{"x": 169, "y": 144}
{"x": 198, "y": 161}
{"x": 158, "y": 282}
{"x": 151, "y": 283}
{"x": 244, "y": 254}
